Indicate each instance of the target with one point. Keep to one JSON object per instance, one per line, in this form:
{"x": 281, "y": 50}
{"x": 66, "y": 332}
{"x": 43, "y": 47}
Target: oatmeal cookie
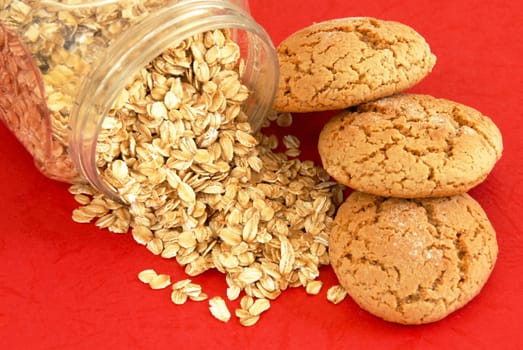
{"x": 410, "y": 146}
{"x": 412, "y": 261}
{"x": 343, "y": 62}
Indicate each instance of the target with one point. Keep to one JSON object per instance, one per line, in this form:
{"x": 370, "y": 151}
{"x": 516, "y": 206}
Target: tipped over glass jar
{"x": 64, "y": 65}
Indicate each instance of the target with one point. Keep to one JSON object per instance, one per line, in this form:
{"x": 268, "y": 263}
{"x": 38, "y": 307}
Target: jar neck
{"x": 145, "y": 41}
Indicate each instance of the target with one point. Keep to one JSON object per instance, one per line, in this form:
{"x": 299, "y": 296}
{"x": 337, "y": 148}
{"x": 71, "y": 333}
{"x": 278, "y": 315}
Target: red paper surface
{"x": 72, "y": 286}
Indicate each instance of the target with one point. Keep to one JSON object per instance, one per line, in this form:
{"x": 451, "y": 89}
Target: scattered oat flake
{"x": 284, "y": 120}
{"x": 233, "y": 292}
{"x": 336, "y": 294}
{"x": 249, "y": 321}
{"x": 147, "y": 275}
{"x": 242, "y": 313}
{"x": 186, "y": 193}
{"x": 142, "y": 235}
{"x": 287, "y": 256}
{"x": 250, "y": 275}
{"x": 246, "y": 302}
{"x": 291, "y": 141}
{"x": 178, "y": 297}
{"x": 259, "y": 306}
{"x": 160, "y": 281}
{"x": 219, "y": 309}
{"x": 200, "y": 297}
{"x": 181, "y": 284}
{"x": 314, "y": 287}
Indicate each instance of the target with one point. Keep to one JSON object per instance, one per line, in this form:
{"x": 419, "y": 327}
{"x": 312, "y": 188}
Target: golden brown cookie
{"x": 410, "y": 146}
{"x": 412, "y": 261}
{"x": 343, "y": 62}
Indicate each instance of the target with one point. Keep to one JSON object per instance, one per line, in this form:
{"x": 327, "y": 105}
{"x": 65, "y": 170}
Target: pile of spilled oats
{"x": 199, "y": 186}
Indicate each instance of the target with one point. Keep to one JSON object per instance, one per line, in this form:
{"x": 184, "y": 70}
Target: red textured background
{"x": 70, "y": 286}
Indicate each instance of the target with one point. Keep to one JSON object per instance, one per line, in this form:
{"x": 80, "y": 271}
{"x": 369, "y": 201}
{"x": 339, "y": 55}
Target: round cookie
{"x": 410, "y": 146}
{"x": 412, "y": 261}
{"x": 343, "y": 62}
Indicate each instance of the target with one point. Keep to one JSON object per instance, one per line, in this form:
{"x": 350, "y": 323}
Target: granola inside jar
{"x": 63, "y": 65}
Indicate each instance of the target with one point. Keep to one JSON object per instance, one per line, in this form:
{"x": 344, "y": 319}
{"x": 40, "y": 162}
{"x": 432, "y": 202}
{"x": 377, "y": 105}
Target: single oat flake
{"x": 219, "y": 309}
{"x": 336, "y": 294}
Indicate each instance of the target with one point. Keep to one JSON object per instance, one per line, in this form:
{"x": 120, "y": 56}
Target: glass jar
{"x": 64, "y": 63}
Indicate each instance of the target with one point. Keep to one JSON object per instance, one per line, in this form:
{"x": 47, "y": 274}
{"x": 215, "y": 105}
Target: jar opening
{"x": 147, "y": 40}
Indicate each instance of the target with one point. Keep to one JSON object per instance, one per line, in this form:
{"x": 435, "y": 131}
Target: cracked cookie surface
{"x": 410, "y": 146}
{"x": 343, "y": 62}
{"x": 412, "y": 261}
